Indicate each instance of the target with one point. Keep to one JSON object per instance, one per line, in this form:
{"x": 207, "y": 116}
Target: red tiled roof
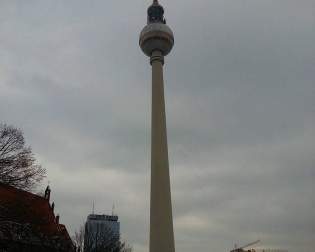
{"x": 25, "y": 207}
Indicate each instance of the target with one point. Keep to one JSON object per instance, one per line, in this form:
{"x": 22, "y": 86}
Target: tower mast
{"x": 156, "y": 41}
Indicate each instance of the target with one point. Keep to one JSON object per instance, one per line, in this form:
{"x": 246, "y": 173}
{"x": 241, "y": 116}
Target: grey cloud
{"x": 240, "y": 112}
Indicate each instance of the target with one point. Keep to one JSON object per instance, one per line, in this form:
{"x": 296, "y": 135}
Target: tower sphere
{"x": 156, "y": 35}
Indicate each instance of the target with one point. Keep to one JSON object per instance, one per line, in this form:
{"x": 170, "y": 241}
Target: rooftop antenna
{"x": 93, "y": 208}
{"x": 113, "y": 209}
{"x": 241, "y": 249}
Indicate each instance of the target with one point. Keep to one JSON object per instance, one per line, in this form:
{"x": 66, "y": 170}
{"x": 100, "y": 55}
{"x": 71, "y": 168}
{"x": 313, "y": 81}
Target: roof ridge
{"x": 21, "y": 190}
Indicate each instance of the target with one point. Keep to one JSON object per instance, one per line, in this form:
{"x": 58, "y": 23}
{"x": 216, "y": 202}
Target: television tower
{"x": 156, "y": 41}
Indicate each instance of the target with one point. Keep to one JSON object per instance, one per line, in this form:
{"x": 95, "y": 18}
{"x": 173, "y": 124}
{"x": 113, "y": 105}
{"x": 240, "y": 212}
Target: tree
{"x": 18, "y": 165}
{"x": 99, "y": 240}
{"x": 78, "y": 239}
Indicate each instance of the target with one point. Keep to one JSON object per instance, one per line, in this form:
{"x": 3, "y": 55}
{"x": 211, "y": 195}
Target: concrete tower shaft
{"x": 156, "y": 41}
{"x": 161, "y": 220}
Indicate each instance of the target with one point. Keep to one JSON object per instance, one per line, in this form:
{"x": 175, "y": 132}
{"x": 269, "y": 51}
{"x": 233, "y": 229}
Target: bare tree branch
{"x": 99, "y": 240}
{"x": 18, "y": 165}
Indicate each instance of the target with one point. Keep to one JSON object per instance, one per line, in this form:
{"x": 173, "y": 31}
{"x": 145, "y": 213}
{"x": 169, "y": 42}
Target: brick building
{"x": 28, "y": 223}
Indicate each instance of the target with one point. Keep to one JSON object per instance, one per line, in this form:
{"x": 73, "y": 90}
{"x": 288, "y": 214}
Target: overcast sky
{"x": 240, "y": 101}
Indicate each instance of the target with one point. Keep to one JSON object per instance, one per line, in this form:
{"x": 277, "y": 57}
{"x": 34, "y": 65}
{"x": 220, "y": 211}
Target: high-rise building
{"x": 156, "y": 41}
{"x": 101, "y": 231}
